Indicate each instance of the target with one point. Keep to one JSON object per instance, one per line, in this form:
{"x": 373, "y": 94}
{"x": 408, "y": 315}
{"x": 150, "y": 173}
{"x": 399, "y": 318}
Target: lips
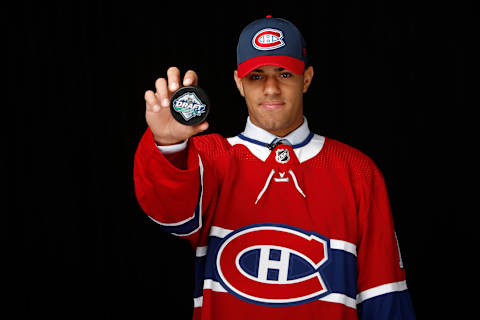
{"x": 272, "y": 104}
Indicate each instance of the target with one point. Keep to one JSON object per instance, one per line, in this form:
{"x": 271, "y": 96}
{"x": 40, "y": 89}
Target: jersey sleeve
{"x": 382, "y": 291}
{"x": 175, "y": 198}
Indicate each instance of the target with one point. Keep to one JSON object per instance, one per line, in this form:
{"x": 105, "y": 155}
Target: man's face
{"x": 274, "y": 97}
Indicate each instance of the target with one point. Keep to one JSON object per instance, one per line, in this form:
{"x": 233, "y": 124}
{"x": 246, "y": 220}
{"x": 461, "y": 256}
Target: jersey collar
{"x": 305, "y": 144}
{"x": 297, "y": 138}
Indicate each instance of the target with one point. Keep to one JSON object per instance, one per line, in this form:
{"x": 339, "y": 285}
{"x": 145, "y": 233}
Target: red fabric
{"x": 289, "y": 63}
{"x": 346, "y": 200}
{"x": 243, "y": 310}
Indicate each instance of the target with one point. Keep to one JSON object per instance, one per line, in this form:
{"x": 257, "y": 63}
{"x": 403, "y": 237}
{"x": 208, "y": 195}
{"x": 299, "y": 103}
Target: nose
{"x": 271, "y": 86}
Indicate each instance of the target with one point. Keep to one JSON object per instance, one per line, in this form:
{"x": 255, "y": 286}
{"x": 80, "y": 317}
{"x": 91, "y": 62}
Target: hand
{"x": 166, "y": 130}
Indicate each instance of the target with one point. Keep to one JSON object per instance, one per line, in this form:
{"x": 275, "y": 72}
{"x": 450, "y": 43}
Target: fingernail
{"x": 173, "y": 86}
{"x": 156, "y": 108}
{"x": 165, "y": 102}
{"x": 187, "y": 82}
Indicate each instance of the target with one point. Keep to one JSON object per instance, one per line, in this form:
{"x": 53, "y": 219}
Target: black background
{"x": 389, "y": 80}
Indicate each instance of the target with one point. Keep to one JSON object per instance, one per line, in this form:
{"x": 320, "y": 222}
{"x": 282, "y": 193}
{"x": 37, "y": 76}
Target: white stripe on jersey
{"x": 383, "y": 289}
{"x": 215, "y": 286}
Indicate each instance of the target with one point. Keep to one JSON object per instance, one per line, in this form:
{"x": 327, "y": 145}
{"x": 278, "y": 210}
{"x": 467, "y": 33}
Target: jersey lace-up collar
{"x": 269, "y": 179}
{"x": 301, "y": 144}
{"x": 283, "y": 160}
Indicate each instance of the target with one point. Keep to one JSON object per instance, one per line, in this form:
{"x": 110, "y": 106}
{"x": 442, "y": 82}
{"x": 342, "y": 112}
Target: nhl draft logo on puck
{"x": 189, "y": 105}
{"x": 268, "y": 39}
{"x": 273, "y": 264}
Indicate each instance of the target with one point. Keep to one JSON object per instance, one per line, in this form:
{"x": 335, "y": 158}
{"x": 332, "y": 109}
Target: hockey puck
{"x": 190, "y": 105}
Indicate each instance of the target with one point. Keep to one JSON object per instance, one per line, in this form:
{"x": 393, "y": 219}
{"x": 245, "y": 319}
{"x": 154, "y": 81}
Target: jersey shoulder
{"x": 211, "y": 145}
{"x": 337, "y": 154}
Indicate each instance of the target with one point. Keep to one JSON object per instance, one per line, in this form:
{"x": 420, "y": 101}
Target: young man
{"x": 285, "y": 223}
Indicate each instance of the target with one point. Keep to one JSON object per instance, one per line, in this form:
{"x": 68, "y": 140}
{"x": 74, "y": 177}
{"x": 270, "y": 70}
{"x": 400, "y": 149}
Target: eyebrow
{"x": 261, "y": 71}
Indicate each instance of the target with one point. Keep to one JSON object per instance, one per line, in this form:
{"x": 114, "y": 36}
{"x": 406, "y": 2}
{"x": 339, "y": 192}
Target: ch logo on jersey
{"x": 273, "y": 264}
{"x": 268, "y": 39}
{"x": 282, "y": 155}
{"x": 189, "y": 106}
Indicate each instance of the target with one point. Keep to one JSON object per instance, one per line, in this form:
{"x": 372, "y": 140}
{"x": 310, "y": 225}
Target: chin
{"x": 273, "y": 125}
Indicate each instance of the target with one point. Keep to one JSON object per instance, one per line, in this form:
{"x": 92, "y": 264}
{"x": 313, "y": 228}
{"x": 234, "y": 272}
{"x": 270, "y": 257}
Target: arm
{"x": 381, "y": 283}
{"x": 176, "y": 154}
{"x": 170, "y": 194}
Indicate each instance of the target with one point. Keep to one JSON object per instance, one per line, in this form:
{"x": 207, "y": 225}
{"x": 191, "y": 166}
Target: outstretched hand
{"x": 166, "y": 130}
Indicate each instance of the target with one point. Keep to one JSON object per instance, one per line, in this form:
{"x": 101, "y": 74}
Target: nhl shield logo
{"x": 282, "y": 155}
{"x": 189, "y": 106}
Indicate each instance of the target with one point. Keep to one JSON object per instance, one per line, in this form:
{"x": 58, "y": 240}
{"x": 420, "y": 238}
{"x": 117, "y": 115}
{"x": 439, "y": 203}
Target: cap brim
{"x": 292, "y": 64}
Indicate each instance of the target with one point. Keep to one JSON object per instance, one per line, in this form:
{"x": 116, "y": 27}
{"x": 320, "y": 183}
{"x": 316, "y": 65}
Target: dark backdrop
{"x": 389, "y": 80}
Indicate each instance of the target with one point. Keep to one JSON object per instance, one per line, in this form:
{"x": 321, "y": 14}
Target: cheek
{"x": 252, "y": 97}
{"x": 249, "y": 103}
{"x": 293, "y": 96}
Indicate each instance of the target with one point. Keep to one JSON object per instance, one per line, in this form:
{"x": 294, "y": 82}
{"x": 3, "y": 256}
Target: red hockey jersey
{"x": 292, "y": 231}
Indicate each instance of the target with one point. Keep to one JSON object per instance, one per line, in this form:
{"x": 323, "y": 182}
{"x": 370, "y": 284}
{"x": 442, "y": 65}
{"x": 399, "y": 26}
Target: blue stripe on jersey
{"x": 340, "y": 274}
{"x": 190, "y": 225}
{"x": 265, "y": 144}
{"x": 391, "y": 306}
{"x": 304, "y": 142}
{"x": 260, "y": 143}
{"x": 199, "y": 276}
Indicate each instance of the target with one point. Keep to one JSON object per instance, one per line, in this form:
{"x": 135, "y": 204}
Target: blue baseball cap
{"x": 271, "y": 41}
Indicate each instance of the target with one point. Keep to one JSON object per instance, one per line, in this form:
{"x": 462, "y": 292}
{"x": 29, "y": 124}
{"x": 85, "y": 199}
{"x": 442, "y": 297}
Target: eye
{"x": 285, "y": 75}
{"x": 255, "y": 77}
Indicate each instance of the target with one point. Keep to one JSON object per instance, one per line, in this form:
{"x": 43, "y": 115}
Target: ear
{"x": 307, "y": 78}
{"x": 238, "y": 81}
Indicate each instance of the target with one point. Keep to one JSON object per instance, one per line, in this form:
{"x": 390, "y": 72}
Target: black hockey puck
{"x": 190, "y": 105}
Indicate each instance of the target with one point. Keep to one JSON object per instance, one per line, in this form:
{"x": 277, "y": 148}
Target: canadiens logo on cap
{"x": 268, "y": 39}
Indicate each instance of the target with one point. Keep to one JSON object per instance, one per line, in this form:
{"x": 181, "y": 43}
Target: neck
{"x": 282, "y": 132}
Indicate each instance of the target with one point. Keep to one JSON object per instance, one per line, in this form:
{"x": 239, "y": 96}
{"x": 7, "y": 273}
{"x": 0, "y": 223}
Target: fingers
{"x": 166, "y": 87}
{"x": 162, "y": 92}
{"x": 200, "y": 127}
{"x": 190, "y": 78}
{"x": 151, "y": 101}
{"x": 173, "y": 75}
{"x": 158, "y": 116}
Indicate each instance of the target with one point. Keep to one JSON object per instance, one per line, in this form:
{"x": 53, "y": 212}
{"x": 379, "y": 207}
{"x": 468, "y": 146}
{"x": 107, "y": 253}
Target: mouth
{"x": 272, "y": 104}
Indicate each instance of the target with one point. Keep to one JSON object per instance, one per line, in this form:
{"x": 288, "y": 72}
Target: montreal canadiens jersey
{"x": 300, "y": 231}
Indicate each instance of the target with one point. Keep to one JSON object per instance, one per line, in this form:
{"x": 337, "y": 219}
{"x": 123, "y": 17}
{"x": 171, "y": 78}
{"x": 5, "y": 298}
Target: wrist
{"x": 174, "y": 148}
{"x": 166, "y": 142}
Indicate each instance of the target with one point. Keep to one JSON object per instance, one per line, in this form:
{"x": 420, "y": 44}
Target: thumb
{"x": 200, "y": 127}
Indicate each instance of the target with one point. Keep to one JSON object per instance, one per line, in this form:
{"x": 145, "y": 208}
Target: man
{"x": 285, "y": 223}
